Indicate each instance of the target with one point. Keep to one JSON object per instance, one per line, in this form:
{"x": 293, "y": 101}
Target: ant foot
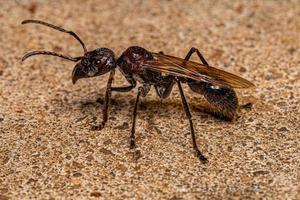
{"x": 97, "y": 127}
{"x": 201, "y": 157}
{"x": 132, "y": 143}
{"x": 247, "y": 106}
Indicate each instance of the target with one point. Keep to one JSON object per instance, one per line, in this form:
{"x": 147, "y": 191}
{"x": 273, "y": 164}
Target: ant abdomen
{"x": 222, "y": 98}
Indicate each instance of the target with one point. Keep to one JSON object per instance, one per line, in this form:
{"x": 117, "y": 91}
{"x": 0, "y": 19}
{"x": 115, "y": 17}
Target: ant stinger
{"x": 158, "y": 70}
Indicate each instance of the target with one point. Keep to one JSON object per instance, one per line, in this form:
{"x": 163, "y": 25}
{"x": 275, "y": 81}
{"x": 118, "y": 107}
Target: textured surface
{"x": 48, "y": 150}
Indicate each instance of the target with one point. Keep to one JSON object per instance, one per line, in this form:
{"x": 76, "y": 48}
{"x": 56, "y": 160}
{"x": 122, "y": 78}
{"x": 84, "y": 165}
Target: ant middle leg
{"x": 142, "y": 91}
{"x": 193, "y": 50}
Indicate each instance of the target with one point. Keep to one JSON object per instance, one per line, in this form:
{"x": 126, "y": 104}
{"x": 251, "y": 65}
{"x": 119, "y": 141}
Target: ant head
{"x": 94, "y": 63}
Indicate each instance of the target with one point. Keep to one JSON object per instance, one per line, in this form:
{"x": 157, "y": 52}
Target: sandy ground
{"x": 47, "y": 150}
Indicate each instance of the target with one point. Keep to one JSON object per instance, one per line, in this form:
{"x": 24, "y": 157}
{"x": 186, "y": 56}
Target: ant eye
{"x": 98, "y": 61}
{"x": 147, "y": 55}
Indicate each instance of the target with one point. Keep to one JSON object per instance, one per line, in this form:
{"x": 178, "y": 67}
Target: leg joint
{"x": 143, "y": 90}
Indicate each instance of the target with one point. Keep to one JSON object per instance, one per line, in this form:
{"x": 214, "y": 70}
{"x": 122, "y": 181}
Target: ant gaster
{"x": 158, "y": 70}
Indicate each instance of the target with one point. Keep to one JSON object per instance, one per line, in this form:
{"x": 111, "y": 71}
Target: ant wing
{"x": 188, "y": 69}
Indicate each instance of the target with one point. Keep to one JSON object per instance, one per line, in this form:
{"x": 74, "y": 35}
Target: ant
{"x": 158, "y": 70}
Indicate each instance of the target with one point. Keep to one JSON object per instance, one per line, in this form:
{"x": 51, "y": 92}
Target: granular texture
{"x": 47, "y": 148}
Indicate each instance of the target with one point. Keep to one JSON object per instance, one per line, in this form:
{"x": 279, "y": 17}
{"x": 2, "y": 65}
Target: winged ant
{"x": 158, "y": 70}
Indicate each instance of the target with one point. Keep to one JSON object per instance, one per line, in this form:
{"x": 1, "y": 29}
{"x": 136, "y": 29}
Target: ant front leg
{"x": 109, "y": 89}
{"x": 132, "y": 85}
{"x": 106, "y": 102}
{"x": 193, "y": 50}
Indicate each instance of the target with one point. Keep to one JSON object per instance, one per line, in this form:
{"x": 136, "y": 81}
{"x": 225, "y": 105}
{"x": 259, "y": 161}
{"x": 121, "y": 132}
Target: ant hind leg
{"x": 193, "y": 50}
{"x": 189, "y": 116}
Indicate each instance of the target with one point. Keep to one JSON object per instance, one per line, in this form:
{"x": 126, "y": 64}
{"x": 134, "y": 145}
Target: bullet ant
{"x": 158, "y": 70}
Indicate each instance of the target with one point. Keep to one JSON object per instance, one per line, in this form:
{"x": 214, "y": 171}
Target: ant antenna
{"x": 57, "y": 28}
{"x": 50, "y": 53}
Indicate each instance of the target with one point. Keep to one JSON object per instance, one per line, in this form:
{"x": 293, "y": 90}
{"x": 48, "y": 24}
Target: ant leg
{"x": 189, "y": 116}
{"x": 141, "y": 91}
{"x": 109, "y": 89}
{"x": 132, "y": 135}
{"x": 193, "y": 50}
{"x": 125, "y": 88}
{"x": 246, "y": 106}
{"x": 164, "y": 90}
{"x": 106, "y": 102}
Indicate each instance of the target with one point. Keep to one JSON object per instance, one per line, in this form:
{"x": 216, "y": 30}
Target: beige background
{"x": 47, "y": 150}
